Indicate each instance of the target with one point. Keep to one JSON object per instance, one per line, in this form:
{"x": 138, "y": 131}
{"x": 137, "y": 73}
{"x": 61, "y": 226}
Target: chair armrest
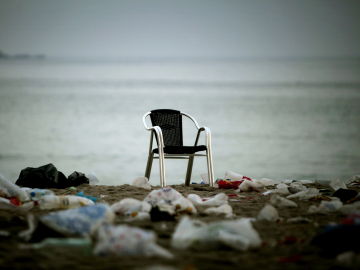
{"x": 207, "y": 136}
{"x": 159, "y": 137}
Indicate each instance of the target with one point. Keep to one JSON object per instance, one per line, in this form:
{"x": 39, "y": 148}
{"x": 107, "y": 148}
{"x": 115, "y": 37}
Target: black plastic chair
{"x": 168, "y": 130}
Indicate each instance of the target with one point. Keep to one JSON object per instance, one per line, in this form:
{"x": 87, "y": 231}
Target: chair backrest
{"x": 170, "y": 122}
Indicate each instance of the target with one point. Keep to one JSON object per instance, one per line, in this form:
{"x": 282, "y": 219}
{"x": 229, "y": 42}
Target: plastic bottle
{"x": 48, "y": 202}
{"x": 36, "y": 194}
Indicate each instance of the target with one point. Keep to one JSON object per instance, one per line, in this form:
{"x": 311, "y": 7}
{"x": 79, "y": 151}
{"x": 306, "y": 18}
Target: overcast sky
{"x": 183, "y": 28}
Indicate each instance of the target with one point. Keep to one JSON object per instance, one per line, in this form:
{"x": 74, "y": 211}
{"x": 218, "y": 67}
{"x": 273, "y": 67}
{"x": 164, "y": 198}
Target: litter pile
{"x": 240, "y": 214}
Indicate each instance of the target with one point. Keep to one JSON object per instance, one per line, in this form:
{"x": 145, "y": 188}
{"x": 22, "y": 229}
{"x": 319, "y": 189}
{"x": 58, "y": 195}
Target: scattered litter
{"x": 352, "y": 219}
{"x": 268, "y": 182}
{"x": 224, "y": 209}
{"x": 237, "y": 234}
{"x": 217, "y": 200}
{"x": 233, "y": 176}
{"x": 81, "y": 194}
{"x": 296, "y": 187}
{"x": 281, "y": 202}
{"x": 305, "y": 195}
{"x": 306, "y": 181}
{"x": 205, "y": 178}
{"x": 282, "y": 189}
{"x": 336, "y": 184}
{"x": 141, "y": 182}
{"x": 132, "y": 208}
{"x": 49, "y": 202}
{"x": 326, "y": 207}
{"x": 298, "y": 220}
{"x": 345, "y": 194}
{"x": 78, "y": 178}
{"x": 247, "y": 186}
{"x": 11, "y": 190}
{"x": 167, "y": 195}
{"x": 127, "y": 241}
{"x": 93, "y": 180}
{"x": 82, "y": 221}
{"x": 269, "y": 213}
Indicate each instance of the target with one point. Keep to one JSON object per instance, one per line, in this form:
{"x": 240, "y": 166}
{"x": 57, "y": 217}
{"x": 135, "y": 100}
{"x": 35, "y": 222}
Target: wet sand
{"x": 285, "y": 245}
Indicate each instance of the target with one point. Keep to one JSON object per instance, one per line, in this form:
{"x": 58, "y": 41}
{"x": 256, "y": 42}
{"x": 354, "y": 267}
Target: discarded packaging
{"x": 49, "y": 202}
{"x": 326, "y": 207}
{"x": 217, "y": 200}
{"x": 130, "y": 207}
{"x": 224, "y": 209}
{"x": 305, "y": 194}
{"x": 36, "y": 194}
{"x": 281, "y": 202}
{"x": 269, "y": 213}
{"x": 296, "y": 187}
{"x": 345, "y": 194}
{"x": 247, "y": 186}
{"x": 336, "y": 184}
{"x": 82, "y": 221}
{"x": 127, "y": 241}
{"x": 237, "y": 234}
{"x": 141, "y": 182}
{"x": 12, "y": 190}
{"x": 167, "y": 195}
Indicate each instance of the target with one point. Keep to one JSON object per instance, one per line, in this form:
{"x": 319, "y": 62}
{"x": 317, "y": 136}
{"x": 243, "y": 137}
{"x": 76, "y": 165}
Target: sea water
{"x": 269, "y": 118}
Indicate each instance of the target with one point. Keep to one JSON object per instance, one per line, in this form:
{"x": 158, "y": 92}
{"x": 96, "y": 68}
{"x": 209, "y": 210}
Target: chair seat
{"x": 181, "y": 149}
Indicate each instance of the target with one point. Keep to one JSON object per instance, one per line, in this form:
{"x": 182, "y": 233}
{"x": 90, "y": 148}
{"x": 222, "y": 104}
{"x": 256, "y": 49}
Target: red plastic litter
{"x": 232, "y": 195}
{"x": 15, "y": 201}
{"x": 227, "y": 184}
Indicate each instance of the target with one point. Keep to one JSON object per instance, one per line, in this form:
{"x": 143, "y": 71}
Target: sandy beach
{"x": 284, "y": 245}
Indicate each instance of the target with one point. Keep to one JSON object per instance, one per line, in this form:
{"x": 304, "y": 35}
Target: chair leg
{"x": 149, "y": 165}
{"x": 189, "y": 170}
{"x": 210, "y": 167}
{"x": 162, "y": 169}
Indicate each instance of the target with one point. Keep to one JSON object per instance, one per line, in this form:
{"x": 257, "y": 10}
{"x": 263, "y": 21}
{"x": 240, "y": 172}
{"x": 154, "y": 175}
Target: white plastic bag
{"x": 296, "y": 187}
{"x": 127, "y": 241}
{"x": 132, "y": 208}
{"x": 222, "y": 210}
{"x": 281, "y": 202}
{"x": 269, "y": 213}
{"x": 247, "y": 185}
{"x": 337, "y": 184}
{"x": 217, "y": 200}
{"x": 238, "y": 234}
{"x": 166, "y": 194}
{"x": 326, "y": 207}
{"x": 82, "y": 221}
{"x": 141, "y": 182}
{"x": 12, "y": 189}
{"x": 305, "y": 194}
{"x": 233, "y": 176}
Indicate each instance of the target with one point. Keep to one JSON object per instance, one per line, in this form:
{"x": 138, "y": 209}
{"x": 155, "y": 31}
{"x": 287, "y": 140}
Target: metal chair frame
{"x": 162, "y": 155}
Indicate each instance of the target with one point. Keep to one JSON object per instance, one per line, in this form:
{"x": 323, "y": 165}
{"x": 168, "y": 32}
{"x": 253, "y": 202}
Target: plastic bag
{"x": 82, "y": 221}
{"x": 224, "y": 209}
{"x": 217, "y": 200}
{"x": 305, "y": 194}
{"x": 247, "y": 186}
{"x": 336, "y": 184}
{"x": 237, "y": 234}
{"x": 132, "y": 208}
{"x": 127, "y": 241}
{"x": 167, "y": 195}
{"x": 12, "y": 190}
{"x": 326, "y": 207}
{"x": 49, "y": 202}
{"x": 296, "y": 187}
{"x": 141, "y": 182}
{"x": 269, "y": 213}
{"x": 281, "y": 202}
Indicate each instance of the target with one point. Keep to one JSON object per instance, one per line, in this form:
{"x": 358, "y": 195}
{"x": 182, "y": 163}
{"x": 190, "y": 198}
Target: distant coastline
{"x": 21, "y": 56}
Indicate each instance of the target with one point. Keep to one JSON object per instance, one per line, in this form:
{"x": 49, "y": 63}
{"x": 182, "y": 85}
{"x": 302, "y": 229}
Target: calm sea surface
{"x": 276, "y": 119}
